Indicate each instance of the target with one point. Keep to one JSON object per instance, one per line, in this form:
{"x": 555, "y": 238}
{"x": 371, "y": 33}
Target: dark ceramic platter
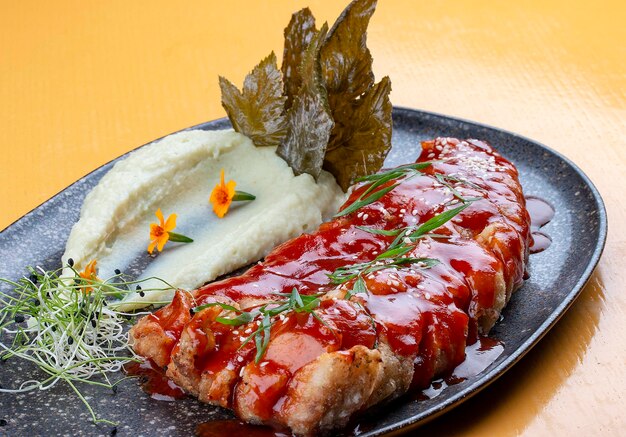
{"x": 578, "y": 231}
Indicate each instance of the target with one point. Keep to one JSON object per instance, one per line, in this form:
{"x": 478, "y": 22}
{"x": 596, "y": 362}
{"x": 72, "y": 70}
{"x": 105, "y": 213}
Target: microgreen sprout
{"x": 69, "y": 327}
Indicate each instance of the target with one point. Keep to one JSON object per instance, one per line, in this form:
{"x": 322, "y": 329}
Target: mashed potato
{"x": 177, "y": 174}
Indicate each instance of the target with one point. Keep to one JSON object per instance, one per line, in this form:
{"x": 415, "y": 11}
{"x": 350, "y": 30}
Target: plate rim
{"x": 492, "y": 375}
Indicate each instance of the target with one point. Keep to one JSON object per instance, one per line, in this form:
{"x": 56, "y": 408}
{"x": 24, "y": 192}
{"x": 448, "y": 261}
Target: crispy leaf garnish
{"x": 309, "y": 121}
{"x": 336, "y": 117}
{"x": 346, "y": 60}
{"x": 257, "y": 111}
{"x": 298, "y": 35}
{"x": 362, "y": 137}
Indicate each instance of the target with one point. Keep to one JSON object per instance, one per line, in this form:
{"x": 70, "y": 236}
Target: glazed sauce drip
{"x": 153, "y": 381}
{"x": 541, "y": 213}
{"x": 429, "y": 314}
{"x": 345, "y": 325}
{"x": 478, "y": 357}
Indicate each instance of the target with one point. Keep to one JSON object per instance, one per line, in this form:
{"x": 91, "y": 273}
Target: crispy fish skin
{"x": 412, "y": 325}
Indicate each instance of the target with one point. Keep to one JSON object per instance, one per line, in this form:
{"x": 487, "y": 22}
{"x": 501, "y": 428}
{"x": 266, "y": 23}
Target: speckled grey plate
{"x": 578, "y": 231}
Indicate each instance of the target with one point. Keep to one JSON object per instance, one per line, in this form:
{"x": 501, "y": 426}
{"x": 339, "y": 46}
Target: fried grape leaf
{"x": 309, "y": 120}
{"x": 361, "y": 137}
{"x": 258, "y": 110}
{"x": 326, "y": 112}
{"x": 298, "y": 35}
{"x": 346, "y": 60}
{"x": 363, "y": 133}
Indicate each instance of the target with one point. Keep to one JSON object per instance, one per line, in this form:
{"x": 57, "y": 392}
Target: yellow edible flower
{"x": 224, "y": 194}
{"x": 90, "y": 274}
{"x": 160, "y": 233}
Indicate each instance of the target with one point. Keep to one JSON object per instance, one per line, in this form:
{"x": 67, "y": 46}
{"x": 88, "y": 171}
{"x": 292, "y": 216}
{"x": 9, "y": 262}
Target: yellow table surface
{"x": 83, "y": 82}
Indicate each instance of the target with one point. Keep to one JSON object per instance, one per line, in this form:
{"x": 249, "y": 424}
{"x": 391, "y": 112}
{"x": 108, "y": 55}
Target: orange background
{"x": 82, "y": 82}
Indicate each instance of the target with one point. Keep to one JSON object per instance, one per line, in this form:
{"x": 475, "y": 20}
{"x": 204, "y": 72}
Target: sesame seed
{"x": 240, "y": 358}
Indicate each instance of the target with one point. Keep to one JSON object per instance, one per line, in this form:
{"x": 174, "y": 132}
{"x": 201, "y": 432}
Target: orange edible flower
{"x": 90, "y": 274}
{"x": 222, "y": 196}
{"x": 160, "y": 234}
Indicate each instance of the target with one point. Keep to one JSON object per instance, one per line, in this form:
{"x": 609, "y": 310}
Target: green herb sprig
{"x": 267, "y": 315}
{"x": 69, "y": 328}
{"x": 371, "y": 194}
{"x": 447, "y": 181}
{"x": 395, "y": 254}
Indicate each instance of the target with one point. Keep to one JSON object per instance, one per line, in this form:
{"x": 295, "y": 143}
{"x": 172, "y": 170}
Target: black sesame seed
{"x": 117, "y": 271}
{"x": 36, "y": 302}
{"x": 54, "y": 328}
{"x": 70, "y": 262}
{"x": 70, "y": 340}
{"x": 3, "y": 422}
{"x": 33, "y": 278}
{"x": 104, "y": 302}
{"x": 114, "y": 388}
{"x": 139, "y": 287}
{"x": 93, "y": 322}
{"x": 19, "y": 318}
{"x": 142, "y": 294}
{"x": 114, "y": 432}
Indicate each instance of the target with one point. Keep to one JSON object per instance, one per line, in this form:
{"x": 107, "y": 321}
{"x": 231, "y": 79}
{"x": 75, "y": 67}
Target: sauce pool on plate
{"x": 541, "y": 213}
